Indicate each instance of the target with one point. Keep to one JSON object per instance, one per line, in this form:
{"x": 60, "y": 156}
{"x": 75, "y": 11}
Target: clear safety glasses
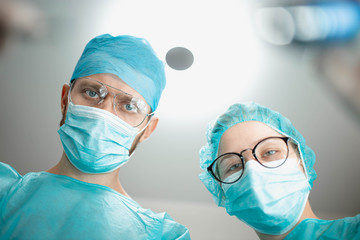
{"x": 90, "y": 92}
{"x": 271, "y": 152}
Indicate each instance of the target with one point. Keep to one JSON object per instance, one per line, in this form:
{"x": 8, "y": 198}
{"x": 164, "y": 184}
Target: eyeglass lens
{"x": 90, "y": 92}
{"x": 271, "y": 153}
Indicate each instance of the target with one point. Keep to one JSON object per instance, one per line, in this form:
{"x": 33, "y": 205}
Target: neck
{"x": 111, "y": 180}
{"x": 307, "y": 213}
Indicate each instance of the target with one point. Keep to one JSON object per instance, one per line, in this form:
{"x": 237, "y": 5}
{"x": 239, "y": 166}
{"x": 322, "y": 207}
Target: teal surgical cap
{"x": 238, "y": 113}
{"x": 130, "y": 58}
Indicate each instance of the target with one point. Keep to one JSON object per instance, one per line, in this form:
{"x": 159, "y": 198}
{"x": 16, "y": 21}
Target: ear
{"x": 64, "y": 97}
{"x": 150, "y": 128}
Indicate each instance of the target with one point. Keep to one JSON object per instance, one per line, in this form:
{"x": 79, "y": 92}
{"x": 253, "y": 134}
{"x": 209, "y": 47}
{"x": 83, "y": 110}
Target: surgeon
{"x": 258, "y": 167}
{"x": 108, "y": 107}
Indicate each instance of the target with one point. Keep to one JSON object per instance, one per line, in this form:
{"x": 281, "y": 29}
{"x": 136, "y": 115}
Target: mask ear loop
{"x": 140, "y": 131}
{"x": 131, "y": 154}
{"x": 147, "y": 124}
{"x": 70, "y": 89}
{"x": 296, "y": 148}
{"x": 301, "y": 161}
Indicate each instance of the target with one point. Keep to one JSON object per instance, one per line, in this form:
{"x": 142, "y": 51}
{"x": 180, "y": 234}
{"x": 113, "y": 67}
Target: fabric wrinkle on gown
{"x": 346, "y": 229}
{"x": 42, "y": 205}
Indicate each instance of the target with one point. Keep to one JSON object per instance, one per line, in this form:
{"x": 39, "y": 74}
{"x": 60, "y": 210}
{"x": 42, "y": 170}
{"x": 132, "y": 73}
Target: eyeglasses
{"x": 90, "y": 92}
{"x": 271, "y": 152}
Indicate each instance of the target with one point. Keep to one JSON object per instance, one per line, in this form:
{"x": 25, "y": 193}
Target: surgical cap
{"x": 238, "y": 113}
{"x": 130, "y": 58}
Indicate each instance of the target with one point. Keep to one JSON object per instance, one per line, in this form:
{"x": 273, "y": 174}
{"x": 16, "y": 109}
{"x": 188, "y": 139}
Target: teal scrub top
{"x": 41, "y": 205}
{"x": 347, "y": 228}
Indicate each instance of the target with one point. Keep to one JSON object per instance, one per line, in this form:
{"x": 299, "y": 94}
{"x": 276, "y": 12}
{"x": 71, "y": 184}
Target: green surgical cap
{"x": 130, "y": 58}
{"x": 238, "y": 113}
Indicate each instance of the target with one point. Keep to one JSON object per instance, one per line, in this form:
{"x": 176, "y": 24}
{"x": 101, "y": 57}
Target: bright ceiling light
{"x": 219, "y": 35}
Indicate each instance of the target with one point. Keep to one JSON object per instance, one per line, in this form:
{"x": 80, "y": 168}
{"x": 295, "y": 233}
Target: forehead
{"x": 245, "y": 135}
{"x": 116, "y": 82}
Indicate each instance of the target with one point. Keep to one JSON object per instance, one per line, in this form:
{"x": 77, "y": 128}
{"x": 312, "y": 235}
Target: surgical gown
{"x": 42, "y": 205}
{"x": 346, "y": 229}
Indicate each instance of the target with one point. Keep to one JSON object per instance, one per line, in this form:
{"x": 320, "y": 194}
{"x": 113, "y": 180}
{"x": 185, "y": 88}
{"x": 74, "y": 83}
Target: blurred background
{"x": 301, "y": 58}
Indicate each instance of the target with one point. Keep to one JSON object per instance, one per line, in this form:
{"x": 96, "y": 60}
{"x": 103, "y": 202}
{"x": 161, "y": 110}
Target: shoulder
{"x": 161, "y": 223}
{"x": 8, "y": 174}
{"x": 346, "y": 228}
{"x": 172, "y": 229}
{"x": 8, "y": 177}
{"x": 6, "y": 169}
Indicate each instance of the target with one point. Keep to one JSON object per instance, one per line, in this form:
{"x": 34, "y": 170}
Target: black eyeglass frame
{"x": 209, "y": 168}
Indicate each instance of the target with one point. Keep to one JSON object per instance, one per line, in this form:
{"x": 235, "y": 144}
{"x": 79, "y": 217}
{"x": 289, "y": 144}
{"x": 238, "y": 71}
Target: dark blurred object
{"x": 179, "y": 58}
{"x": 20, "y": 20}
{"x": 4, "y": 31}
{"x": 318, "y": 22}
{"x": 340, "y": 67}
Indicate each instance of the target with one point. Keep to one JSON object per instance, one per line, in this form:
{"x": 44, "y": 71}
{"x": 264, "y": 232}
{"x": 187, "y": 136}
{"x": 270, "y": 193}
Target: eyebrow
{"x": 107, "y": 85}
{"x": 226, "y": 156}
{"x": 92, "y": 84}
{"x": 252, "y": 148}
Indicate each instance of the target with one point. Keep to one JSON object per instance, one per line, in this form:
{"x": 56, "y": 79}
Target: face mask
{"x": 95, "y": 140}
{"x": 269, "y": 200}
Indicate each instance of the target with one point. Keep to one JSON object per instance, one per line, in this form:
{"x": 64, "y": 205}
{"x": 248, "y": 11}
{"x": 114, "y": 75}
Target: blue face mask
{"x": 270, "y": 200}
{"x": 95, "y": 140}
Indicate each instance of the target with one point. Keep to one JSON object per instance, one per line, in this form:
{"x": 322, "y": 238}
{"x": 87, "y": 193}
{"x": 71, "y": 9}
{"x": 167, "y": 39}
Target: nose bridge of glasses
{"x": 106, "y": 101}
{"x": 247, "y": 154}
{"x": 103, "y": 91}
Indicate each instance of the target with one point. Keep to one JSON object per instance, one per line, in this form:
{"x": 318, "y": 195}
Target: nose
{"x": 247, "y": 155}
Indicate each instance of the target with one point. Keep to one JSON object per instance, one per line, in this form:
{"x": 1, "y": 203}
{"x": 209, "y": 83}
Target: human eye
{"x": 89, "y": 90}
{"x": 229, "y": 165}
{"x": 127, "y": 105}
{"x": 91, "y": 93}
{"x": 269, "y": 153}
{"x": 271, "y": 149}
{"x": 234, "y": 167}
{"x": 230, "y": 170}
{"x": 130, "y": 107}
